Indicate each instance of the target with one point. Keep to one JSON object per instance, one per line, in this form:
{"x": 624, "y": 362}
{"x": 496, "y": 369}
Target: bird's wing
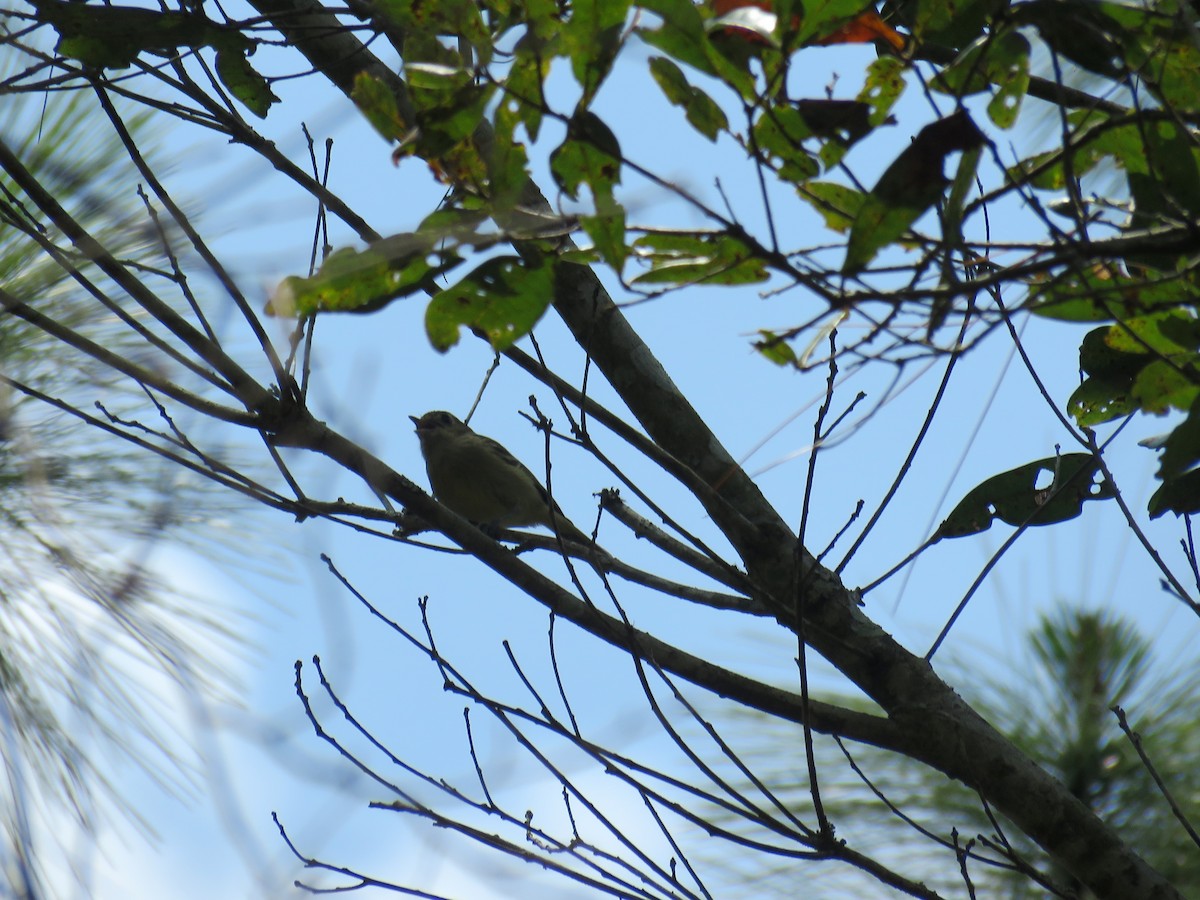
{"x": 522, "y": 469}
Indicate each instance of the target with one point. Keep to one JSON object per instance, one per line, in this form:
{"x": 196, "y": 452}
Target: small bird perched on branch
{"x": 484, "y": 483}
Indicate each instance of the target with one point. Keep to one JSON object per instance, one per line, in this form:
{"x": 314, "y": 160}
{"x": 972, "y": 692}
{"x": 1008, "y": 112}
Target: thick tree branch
{"x": 927, "y": 720}
{"x": 305, "y": 432}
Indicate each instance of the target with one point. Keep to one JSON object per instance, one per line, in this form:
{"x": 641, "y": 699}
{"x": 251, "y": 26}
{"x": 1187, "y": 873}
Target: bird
{"x": 480, "y": 480}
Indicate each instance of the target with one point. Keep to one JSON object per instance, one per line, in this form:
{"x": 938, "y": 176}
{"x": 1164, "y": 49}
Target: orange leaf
{"x": 862, "y": 29}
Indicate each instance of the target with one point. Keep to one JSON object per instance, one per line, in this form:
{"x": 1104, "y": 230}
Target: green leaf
{"x": 590, "y": 155}
{"x": 1099, "y": 357}
{"x": 250, "y": 88}
{"x": 448, "y": 106}
{"x": 1163, "y": 385}
{"x": 1014, "y": 497}
{"x": 114, "y": 36}
{"x": 697, "y": 258}
{"x": 350, "y": 280}
{"x": 364, "y": 281}
{"x": 823, "y": 17}
{"x": 1101, "y": 293}
{"x": 790, "y": 19}
{"x": 681, "y": 35}
{"x": 1180, "y": 491}
{"x": 1078, "y": 30}
{"x": 503, "y": 299}
{"x": 507, "y": 167}
{"x": 436, "y": 76}
{"x": 607, "y": 231}
{"x": 378, "y": 104}
{"x": 780, "y": 132}
{"x": 960, "y": 188}
{"x": 1165, "y": 178}
{"x": 1172, "y": 332}
{"x": 591, "y": 39}
{"x": 1160, "y": 50}
{"x": 845, "y": 121}
{"x": 585, "y": 256}
{"x": 912, "y": 184}
{"x": 730, "y": 56}
{"x": 524, "y": 84}
{"x": 448, "y": 115}
{"x": 999, "y": 62}
{"x": 1179, "y": 495}
{"x": 455, "y": 223}
{"x": 1101, "y": 399}
{"x": 1043, "y": 171}
{"x": 543, "y": 18}
{"x": 433, "y": 18}
{"x": 952, "y": 23}
{"x": 838, "y": 205}
{"x": 702, "y": 112}
{"x": 883, "y": 86}
{"x": 1097, "y": 133}
{"x": 1144, "y": 363}
{"x": 775, "y": 348}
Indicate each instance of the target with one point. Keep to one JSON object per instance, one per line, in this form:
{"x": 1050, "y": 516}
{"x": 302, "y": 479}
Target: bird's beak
{"x": 416, "y": 422}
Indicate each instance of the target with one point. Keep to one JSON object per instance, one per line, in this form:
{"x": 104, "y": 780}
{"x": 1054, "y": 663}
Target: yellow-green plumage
{"x": 481, "y": 481}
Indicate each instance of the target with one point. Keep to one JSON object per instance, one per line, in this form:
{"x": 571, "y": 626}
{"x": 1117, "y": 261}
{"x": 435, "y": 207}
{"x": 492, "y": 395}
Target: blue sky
{"x": 370, "y": 373}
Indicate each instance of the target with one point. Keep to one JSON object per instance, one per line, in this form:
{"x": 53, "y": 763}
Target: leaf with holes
{"x": 1014, "y": 497}
{"x": 503, "y": 299}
